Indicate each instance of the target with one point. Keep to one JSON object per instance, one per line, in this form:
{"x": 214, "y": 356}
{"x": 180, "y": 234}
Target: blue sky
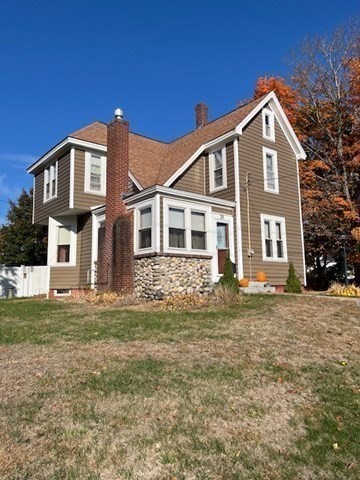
{"x": 64, "y": 64}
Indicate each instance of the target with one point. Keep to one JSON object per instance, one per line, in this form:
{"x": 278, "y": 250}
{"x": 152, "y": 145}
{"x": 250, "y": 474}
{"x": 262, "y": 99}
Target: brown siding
{"x": 85, "y": 226}
{"x": 193, "y": 180}
{"x": 285, "y": 204}
{"x": 57, "y": 205}
{"x": 67, "y": 277}
{"x": 81, "y": 199}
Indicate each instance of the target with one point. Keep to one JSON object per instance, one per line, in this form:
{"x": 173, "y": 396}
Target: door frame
{"x": 215, "y": 219}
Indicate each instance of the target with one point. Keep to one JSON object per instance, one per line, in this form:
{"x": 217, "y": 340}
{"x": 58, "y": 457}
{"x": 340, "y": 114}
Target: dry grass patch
{"x": 255, "y": 391}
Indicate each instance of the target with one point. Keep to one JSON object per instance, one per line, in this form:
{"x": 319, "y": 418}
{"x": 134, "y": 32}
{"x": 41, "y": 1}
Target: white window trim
{"x": 188, "y": 208}
{"x": 87, "y": 188}
{"x": 273, "y": 220}
{"x": 46, "y": 175}
{"x": 138, "y": 208}
{"x": 273, "y": 153}
{"x": 54, "y": 223}
{"x": 97, "y": 221}
{"x": 68, "y": 294}
{"x": 212, "y": 169}
{"x": 228, "y": 219}
{"x": 271, "y": 115}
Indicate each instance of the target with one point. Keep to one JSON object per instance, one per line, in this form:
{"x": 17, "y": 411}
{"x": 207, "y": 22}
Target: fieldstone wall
{"x": 158, "y": 277}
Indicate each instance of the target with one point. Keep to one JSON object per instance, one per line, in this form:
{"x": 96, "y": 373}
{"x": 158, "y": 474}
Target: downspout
{"x": 239, "y": 259}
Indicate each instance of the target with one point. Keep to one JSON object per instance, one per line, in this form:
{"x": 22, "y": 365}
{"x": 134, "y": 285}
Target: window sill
{"x": 218, "y": 189}
{"x": 270, "y": 139}
{"x": 49, "y": 199}
{"x": 92, "y": 192}
{"x": 61, "y": 265}
{"x": 274, "y": 192}
{"x": 275, "y": 260}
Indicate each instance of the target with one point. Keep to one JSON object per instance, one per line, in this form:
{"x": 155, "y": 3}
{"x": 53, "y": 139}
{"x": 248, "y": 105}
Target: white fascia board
{"x": 135, "y": 181}
{"x": 281, "y": 117}
{"x": 173, "y": 192}
{"x": 70, "y": 141}
{"x": 205, "y": 146}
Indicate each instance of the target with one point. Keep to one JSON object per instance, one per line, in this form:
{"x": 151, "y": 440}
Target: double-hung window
{"x": 95, "y": 173}
{"x": 198, "y": 231}
{"x": 271, "y": 174}
{"x": 177, "y": 228}
{"x": 268, "y": 124}
{"x": 185, "y": 227}
{"x": 50, "y": 181}
{"x": 273, "y": 238}
{"x": 145, "y": 228}
{"x": 217, "y": 164}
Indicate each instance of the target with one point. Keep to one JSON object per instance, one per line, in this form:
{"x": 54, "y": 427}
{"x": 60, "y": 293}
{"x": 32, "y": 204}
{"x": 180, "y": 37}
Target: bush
{"x": 228, "y": 280}
{"x": 293, "y": 284}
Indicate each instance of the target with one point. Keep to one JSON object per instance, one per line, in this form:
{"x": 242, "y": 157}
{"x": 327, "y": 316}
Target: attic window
{"x": 217, "y": 164}
{"x": 268, "y": 124}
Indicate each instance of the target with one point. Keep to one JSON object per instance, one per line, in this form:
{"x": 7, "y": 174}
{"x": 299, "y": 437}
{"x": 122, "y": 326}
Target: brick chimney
{"x": 116, "y": 250}
{"x": 201, "y": 115}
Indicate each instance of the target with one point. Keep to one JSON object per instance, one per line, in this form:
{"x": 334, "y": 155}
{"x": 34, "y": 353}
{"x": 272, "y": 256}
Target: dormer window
{"x": 50, "y": 181}
{"x": 95, "y": 173}
{"x": 217, "y": 164}
{"x": 268, "y": 124}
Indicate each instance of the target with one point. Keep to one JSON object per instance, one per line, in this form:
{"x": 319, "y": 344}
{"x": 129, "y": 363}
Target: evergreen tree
{"x": 228, "y": 280}
{"x": 21, "y": 242}
{"x": 293, "y": 284}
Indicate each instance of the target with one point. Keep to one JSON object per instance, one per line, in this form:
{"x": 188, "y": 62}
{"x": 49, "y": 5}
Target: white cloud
{"x": 17, "y": 160}
{"x": 5, "y": 188}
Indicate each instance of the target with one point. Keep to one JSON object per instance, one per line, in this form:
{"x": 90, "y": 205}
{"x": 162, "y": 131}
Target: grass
{"x": 259, "y": 390}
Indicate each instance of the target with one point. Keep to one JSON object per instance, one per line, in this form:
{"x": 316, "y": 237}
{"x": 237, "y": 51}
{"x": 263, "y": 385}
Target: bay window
{"x": 145, "y": 228}
{"x": 177, "y": 228}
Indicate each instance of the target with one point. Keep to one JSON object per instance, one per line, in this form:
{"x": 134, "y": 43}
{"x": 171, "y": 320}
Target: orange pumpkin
{"x": 244, "y": 282}
{"x": 261, "y": 276}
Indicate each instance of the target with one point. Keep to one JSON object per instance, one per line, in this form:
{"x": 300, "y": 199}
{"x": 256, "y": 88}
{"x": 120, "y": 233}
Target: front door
{"x": 222, "y": 245}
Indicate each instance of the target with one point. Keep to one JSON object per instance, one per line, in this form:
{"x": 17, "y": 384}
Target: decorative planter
{"x": 261, "y": 277}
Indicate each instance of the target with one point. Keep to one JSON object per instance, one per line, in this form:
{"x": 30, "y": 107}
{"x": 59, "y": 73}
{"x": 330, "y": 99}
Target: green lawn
{"x": 266, "y": 389}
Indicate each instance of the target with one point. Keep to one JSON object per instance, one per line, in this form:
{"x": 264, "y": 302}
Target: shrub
{"x": 228, "y": 280}
{"x": 293, "y": 284}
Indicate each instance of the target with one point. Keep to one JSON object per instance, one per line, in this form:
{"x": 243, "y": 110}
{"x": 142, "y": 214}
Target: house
{"x": 130, "y": 213}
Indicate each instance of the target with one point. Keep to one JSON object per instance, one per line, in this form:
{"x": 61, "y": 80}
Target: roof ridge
{"x": 85, "y": 127}
{"x": 218, "y": 118}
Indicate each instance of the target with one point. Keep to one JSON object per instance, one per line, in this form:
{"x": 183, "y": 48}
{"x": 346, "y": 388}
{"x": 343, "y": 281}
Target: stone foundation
{"x": 157, "y": 277}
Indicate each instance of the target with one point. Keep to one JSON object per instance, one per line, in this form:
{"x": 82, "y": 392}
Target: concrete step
{"x": 258, "y": 287}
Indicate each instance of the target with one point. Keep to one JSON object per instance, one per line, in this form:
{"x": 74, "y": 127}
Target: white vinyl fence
{"x": 23, "y": 281}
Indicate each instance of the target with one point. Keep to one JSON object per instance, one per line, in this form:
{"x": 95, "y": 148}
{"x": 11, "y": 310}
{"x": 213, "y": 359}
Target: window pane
{"x": 145, "y": 238}
{"x": 64, "y": 235}
{"x": 176, "y": 238}
{"x": 269, "y": 162}
{"x": 278, "y": 231}
{"x": 63, "y": 254}
{"x": 145, "y": 217}
{"x": 218, "y": 178}
{"x": 198, "y": 240}
{"x": 218, "y": 159}
{"x": 268, "y": 248}
{"x": 221, "y": 236}
{"x": 267, "y": 229}
{"x": 176, "y": 218}
{"x": 197, "y": 221}
{"x": 280, "y": 248}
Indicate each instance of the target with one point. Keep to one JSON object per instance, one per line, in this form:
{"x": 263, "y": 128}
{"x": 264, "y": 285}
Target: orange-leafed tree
{"x": 323, "y": 105}
{"x": 287, "y": 96}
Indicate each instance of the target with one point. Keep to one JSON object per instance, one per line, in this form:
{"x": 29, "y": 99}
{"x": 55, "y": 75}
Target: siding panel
{"x": 58, "y": 205}
{"x": 285, "y": 204}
